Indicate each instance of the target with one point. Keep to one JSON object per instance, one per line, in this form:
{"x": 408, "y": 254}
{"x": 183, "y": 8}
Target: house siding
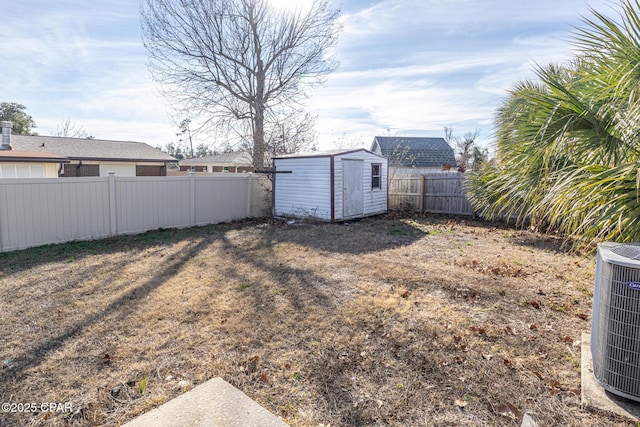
{"x": 397, "y": 171}
{"x": 120, "y": 169}
{"x": 28, "y": 170}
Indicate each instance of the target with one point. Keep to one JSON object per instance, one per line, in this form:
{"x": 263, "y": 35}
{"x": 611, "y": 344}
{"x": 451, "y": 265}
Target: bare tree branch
{"x": 237, "y": 60}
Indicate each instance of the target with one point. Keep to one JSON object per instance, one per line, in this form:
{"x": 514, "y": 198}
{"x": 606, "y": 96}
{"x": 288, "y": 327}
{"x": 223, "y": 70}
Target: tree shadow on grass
{"x": 25, "y": 259}
{"x": 353, "y": 237}
{"x": 299, "y": 285}
{"x": 122, "y": 307}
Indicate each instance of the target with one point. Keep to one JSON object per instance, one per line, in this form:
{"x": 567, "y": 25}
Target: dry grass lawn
{"x": 386, "y": 321}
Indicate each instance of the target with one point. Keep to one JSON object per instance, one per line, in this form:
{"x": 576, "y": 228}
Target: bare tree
{"x": 71, "y": 130}
{"x": 175, "y": 150}
{"x": 203, "y": 150}
{"x": 235, "y": 61}
{"x": 464, "y": 147}
{"x": 290, "y": 133}
{"x": 185, "y": 130}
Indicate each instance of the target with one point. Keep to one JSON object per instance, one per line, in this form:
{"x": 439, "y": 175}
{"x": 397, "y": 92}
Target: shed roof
{"x": 90, "y": 149}
{"x": 415, "y": 151}
{"x": 326, "y": 153}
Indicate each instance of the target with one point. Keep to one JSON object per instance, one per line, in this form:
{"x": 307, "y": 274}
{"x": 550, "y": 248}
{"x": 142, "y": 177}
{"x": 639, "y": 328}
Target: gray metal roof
{"x": 90, "y": 149}
{"x": 415, "y": 151}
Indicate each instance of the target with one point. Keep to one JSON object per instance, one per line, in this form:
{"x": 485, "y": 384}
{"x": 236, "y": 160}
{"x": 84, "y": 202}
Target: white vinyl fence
{"x": 41, "y": 211}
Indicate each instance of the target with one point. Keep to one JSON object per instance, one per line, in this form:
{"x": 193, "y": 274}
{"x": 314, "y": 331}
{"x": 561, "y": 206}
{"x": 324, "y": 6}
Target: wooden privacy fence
{"x": 441, "y": 193}
{"x": 41, "y": 211}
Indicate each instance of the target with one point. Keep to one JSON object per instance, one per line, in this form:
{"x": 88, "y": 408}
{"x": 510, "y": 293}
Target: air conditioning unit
{"x": 615, "y": 328}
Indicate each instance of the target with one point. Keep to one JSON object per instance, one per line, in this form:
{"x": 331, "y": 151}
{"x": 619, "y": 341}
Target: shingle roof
{"x": 416, "y": 151}
{"x": 90, "y": 149}
{"x": 31, "y": 156}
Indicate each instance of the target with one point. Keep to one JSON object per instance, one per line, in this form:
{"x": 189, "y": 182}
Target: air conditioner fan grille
{"x": 631, "y": 251}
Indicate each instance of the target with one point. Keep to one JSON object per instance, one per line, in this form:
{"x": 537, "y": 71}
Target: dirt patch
{"x": 379, "y": 322}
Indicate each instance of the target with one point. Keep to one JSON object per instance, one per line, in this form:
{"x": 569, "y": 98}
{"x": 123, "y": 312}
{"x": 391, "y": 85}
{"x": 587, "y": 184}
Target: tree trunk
{"x": 258, "y": 139}
{"x": 258, "y": 119}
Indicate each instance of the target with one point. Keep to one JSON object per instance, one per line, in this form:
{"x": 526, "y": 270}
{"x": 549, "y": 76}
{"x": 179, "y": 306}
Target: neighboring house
{"x": 236, "y": 162}
{"x": 91, "y": 157}
{"x": 25, "y": 164}
{"x": 415, "y": 155}
{"x": 29, "y": 164}
{"x": 330, "y": 185}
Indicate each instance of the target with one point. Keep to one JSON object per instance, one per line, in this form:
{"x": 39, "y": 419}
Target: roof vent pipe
{"x": 5, "y": 143}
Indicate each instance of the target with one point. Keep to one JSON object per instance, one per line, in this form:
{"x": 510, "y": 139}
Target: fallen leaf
{"x": 535, "y": 304}
{"x": 404, "y": 294}
{"x": 263, "y": 378}
{"x": 555, "y": 387}
{"x": 479, "y": 331}
{"x": 533, "y": 327}
{"x": 537, "y": 374}
{"x": 507, "y": 410}
{"x": 508, "y": 363}
{"x": 566, "y": 339}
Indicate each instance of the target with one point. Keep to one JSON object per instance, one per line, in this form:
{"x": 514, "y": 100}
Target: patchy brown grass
{"x": 379, "y": 322}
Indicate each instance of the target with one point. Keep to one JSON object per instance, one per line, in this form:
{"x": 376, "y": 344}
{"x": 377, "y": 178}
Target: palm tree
{"x": 568, "y": 144}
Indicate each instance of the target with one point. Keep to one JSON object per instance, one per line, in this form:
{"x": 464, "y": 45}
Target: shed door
{"x": 352, "y": 198}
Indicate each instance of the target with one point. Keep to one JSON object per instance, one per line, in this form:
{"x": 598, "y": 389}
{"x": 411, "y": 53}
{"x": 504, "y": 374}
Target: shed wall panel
{"x": 306, "y": 191}
{"x": 375, "y": 200}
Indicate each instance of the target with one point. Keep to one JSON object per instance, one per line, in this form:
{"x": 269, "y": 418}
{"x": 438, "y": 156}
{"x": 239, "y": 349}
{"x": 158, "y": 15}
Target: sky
{"x": 407, "y": 67}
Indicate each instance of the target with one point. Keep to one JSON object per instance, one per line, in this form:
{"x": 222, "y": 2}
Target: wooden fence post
{"x": 422, "y": 178}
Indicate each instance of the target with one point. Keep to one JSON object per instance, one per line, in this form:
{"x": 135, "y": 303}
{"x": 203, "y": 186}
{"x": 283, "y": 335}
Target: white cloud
{"x": 407, "y": 65}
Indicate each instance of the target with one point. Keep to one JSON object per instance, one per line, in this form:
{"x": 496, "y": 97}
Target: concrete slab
{"x": 215, "y": 403}
{"x": 595, "y": 396}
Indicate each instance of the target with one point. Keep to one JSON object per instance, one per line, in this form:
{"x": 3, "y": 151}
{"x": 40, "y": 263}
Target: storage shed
{"x": 330, "y": 185}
